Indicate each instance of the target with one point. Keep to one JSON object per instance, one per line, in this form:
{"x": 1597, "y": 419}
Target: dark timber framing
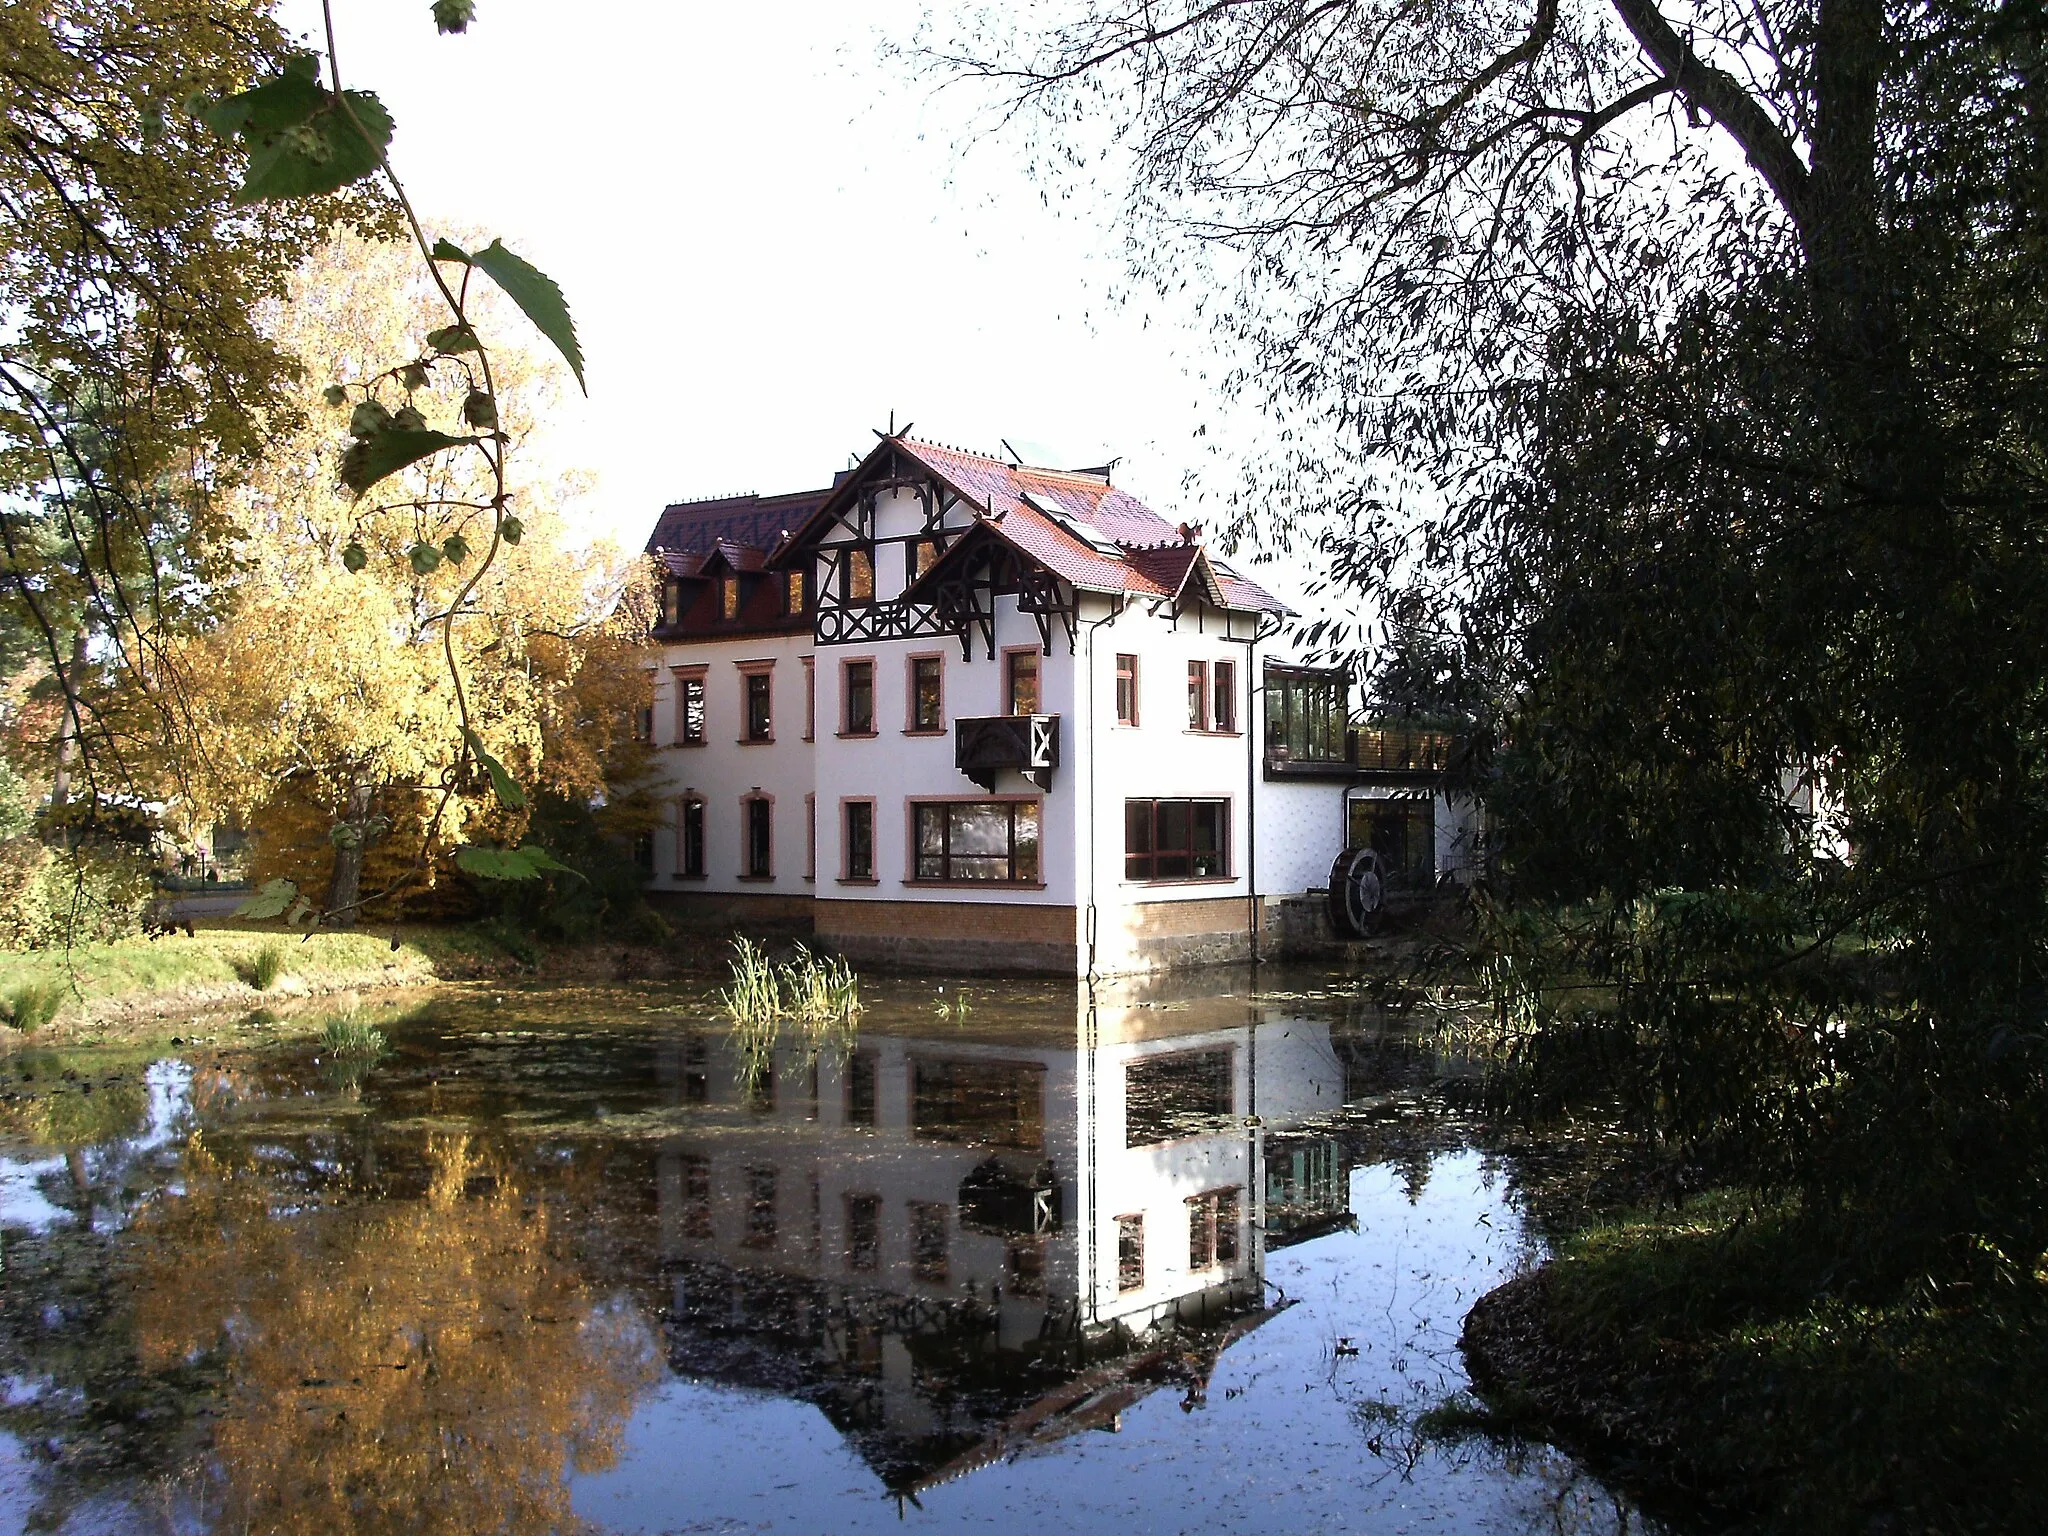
{"x": 955, "y": 597}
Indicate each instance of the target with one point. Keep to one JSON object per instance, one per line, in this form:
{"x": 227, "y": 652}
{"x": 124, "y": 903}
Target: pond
{"x": 1183, "y": 1257}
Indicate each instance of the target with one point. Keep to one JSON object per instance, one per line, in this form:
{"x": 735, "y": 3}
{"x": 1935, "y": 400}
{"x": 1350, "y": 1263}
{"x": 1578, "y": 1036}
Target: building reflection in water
{"x": 964, "y": 1239}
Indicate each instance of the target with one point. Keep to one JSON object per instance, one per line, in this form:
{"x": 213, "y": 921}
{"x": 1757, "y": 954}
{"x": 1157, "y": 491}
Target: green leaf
{"x": 355, "y": 557}
{"x": 538, "y": 299}
{"x": 270, "y": 900}
{"x": 424, "y": 558}
{"x": 480, "y": 411}
{"x": 368, "y": 419}
{"x": 455, "y": 548}
{"x": 271, "y": 107}
{"x": 335, "y": 395}
{"x": 413, "y": 376}
{"x": 509, "y": 863}
{"x": 454, "y": 15}
{"x": 303, "y": 140}
{"x": 408, "y": 419}
{"x": 448, "y": 250}
{"x": 512, "y": 530}
{"x": 507, "y": 789}
{"x": 453, "y": 338}
{"x": 370, "y": 459}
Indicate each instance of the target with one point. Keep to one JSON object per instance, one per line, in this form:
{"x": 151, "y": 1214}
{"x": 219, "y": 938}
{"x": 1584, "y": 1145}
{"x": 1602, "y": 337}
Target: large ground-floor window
{"x": 988, "y": 841}
{"x": 1176, "y": 839}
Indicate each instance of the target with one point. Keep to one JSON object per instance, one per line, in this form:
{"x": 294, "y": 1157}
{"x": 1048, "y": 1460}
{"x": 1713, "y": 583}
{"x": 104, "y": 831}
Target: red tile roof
{"x": 1075, "y": 512}
{"x": 1074, "y": 523}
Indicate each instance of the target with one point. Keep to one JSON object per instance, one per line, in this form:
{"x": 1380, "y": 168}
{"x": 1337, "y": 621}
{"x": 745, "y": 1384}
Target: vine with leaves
{"x": 306, "y": 137}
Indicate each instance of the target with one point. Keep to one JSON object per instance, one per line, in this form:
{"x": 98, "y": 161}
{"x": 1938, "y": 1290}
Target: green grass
{"x": 217, "y": 961}
{"x": 1711, "y": 1353}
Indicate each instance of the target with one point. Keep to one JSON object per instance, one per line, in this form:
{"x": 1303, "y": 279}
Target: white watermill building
{"x": 955, "y": 713}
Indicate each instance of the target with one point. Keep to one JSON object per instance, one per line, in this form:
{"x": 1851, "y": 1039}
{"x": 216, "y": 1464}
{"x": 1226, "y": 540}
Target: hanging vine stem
{"x": 533, "y": 293}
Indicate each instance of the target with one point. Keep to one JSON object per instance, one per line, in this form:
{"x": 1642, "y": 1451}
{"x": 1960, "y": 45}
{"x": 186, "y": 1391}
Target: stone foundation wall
{"x": 1170, "y": 935}
{"x": 961, "y": 937}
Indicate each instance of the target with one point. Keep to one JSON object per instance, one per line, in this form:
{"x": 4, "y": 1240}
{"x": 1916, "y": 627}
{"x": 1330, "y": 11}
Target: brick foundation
{"x": 698, "y": 911}
{"x": 958, "y": 937}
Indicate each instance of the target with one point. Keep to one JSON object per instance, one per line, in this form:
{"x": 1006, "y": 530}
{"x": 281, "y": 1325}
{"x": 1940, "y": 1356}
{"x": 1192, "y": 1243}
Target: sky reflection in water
{"x": 1172, "y": 1261}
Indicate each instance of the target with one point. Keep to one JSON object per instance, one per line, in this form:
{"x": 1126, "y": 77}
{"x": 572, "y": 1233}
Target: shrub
{"x": 54, "y": 897}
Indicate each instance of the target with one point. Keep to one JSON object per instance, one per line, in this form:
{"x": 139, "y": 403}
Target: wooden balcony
{"x": 1397, "y": 749}
{"x": 986, "y": 745}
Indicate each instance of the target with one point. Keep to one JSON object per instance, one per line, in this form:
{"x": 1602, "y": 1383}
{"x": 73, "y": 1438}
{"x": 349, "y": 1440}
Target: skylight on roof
{"x": 1079, "y": 527}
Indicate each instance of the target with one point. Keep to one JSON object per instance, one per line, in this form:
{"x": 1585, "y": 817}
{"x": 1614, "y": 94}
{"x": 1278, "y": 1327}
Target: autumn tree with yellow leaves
{"x": 325, "y": 686}
{"x": 184, "y": 507}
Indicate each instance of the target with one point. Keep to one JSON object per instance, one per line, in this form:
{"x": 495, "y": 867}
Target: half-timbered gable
{"x": 921, "y": 539}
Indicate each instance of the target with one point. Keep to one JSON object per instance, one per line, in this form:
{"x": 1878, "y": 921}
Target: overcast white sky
{"x": 771, "y": 236}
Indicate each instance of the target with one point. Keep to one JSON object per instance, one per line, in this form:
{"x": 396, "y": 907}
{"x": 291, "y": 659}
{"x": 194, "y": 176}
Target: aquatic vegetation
{"x": 818, "y": 994}
{"x": 33, "y": 1004}
{"x": 754, "y": 995}
{"x": 351, "y": 1038}
{"x": 266, "y": 966}
{"x": 819, "y": 988}
{"x": 810, "y": 988}
{"x": 954, "y": 1009}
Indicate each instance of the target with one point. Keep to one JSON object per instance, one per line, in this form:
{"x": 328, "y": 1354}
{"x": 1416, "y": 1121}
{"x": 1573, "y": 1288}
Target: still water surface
{"x": 1189, "y": 1258}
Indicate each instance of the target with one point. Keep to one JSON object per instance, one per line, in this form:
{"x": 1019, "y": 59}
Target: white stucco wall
{"x": 726, "y": 768}
{"x": 895, "y": 767}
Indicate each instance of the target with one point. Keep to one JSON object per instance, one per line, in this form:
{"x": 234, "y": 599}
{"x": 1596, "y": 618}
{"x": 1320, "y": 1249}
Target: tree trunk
{"x": 351, "y": 835}
{"x": 68, "y": 730}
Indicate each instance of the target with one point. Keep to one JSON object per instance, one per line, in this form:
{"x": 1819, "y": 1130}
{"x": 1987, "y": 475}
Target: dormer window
{"x": 671, "y": 603}
{"x": 729, "y": 598}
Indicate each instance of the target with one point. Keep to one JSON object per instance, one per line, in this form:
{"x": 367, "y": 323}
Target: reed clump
{"x": 32, "y": 1004}
{"x": 817, "y": 996}
{"x": 809, "y": 988}
{"x": 266, "y": 966}
{"x": 350, "y": 1037}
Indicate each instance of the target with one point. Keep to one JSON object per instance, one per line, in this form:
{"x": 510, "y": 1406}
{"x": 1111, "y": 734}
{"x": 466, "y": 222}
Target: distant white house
{"x": 960, "y": 713}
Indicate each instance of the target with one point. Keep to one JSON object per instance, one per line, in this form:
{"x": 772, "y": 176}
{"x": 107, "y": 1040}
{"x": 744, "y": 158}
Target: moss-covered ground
{"x": 1716, "y": 1360}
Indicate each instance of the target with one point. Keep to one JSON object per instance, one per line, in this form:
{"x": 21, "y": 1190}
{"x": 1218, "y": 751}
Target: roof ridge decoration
{"x": 705, "y": 501}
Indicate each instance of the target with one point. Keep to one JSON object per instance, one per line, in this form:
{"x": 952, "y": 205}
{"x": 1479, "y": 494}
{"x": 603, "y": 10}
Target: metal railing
{"x": 1401, "y": 749}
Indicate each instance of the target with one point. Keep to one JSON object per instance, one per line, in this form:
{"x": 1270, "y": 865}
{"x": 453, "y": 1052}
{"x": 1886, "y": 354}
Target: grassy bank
{"x": 1704, "y": 1360}
{"x": 55, "y": 992}
{"x": 98, "y": 989}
